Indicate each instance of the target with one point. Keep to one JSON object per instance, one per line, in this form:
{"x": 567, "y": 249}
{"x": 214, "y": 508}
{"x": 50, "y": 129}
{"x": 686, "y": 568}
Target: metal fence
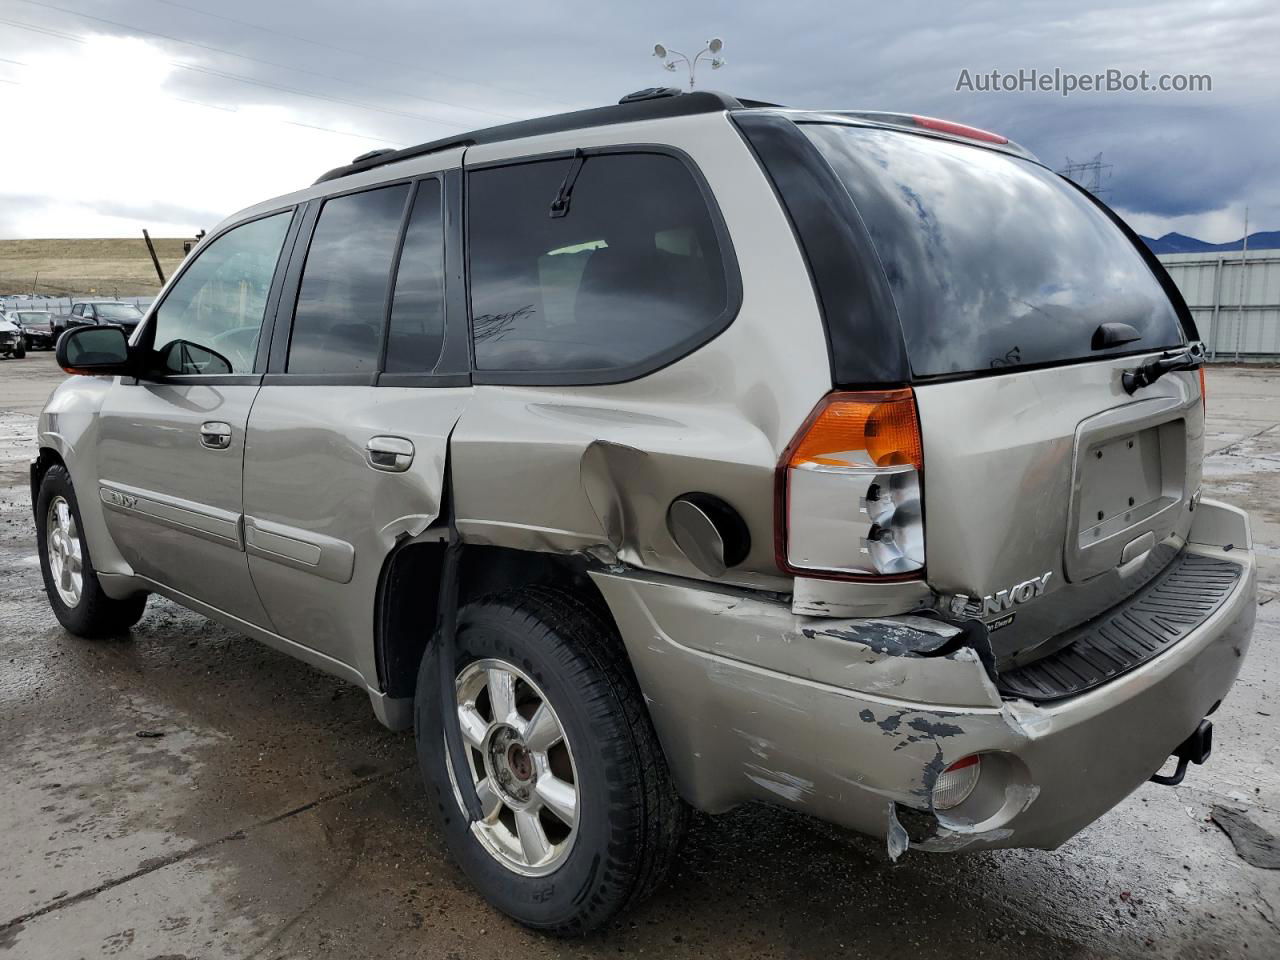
{"x": 61, "y": 305}
{"x": 1235, "y": 301}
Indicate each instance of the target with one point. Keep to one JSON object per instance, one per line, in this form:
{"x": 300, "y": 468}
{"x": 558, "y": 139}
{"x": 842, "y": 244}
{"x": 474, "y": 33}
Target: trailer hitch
{"x": 1195, "y": 749}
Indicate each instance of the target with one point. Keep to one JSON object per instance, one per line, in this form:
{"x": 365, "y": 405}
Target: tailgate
{"x": 1051, "y": 495}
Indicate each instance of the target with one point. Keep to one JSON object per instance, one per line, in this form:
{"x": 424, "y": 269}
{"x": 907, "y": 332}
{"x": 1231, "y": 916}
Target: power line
{"x": 314, "y": 96}
{"x": 361, "y": 53}
{"x": 262, "y": 83}
{"x": 292, "y": 123}
{"x": 269, "y": 63}
{"x": 45, "y": 30}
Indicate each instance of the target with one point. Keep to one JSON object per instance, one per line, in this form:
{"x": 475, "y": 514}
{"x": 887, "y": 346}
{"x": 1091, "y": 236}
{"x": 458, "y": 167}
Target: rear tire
{"x": 70, "y": 579}
{"x": 627, "y": 818}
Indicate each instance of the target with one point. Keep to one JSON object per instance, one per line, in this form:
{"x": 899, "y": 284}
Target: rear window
{"x": 119, "y": 311}
{"x": 993, "y": 261}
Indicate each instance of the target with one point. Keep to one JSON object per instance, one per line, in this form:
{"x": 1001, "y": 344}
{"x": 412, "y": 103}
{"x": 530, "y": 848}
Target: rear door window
{"x": 416, "y": 330}
{"x": 993, "y": 261}
{"x": 631, "y": 276}
{"x": 342, "y": 301}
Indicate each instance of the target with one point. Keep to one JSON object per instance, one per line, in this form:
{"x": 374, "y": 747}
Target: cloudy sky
{"x": 170, "y": 114}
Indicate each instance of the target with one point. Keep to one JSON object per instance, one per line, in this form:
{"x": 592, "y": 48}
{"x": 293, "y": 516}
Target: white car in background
{"x": 12, "y": 342}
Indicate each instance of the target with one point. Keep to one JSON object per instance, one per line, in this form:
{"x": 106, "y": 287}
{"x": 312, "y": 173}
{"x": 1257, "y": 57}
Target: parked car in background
{"x": 12, "y": 343}
{"x": 849, "y": 462}
{"x": 96, "y": 313}
{"x": 37, "y": 328}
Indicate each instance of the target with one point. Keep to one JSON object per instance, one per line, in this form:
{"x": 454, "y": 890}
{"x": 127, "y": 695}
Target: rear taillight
{"x": 849, "y": 499}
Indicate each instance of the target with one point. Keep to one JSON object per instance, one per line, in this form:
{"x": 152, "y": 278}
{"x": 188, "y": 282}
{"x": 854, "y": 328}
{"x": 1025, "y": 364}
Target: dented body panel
{"x": 844, "y": 720}
{"x": 606, "y": 461}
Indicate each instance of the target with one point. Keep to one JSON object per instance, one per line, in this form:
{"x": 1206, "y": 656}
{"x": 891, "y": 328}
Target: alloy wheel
{"x": 521, "y": 766}
{"x": 66, "y": 561}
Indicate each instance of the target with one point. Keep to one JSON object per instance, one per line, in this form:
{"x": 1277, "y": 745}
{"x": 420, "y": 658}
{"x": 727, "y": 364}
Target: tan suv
{"x": 685, "y": 452}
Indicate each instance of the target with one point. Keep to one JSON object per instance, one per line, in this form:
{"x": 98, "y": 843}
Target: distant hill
{"x": 1180, "y": 243}
{"x": 106, "y": 267}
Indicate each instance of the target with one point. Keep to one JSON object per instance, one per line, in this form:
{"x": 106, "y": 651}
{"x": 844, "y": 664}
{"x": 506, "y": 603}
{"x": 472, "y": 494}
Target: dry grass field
{"x": 112, "y": 266}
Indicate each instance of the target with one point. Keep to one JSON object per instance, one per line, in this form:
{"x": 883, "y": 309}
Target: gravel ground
{"x": 275, "y": 818}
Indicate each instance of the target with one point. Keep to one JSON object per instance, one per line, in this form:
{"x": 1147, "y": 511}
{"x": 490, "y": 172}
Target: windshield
{"x": 119, "y": 311}
{"x": 994, "y": 261}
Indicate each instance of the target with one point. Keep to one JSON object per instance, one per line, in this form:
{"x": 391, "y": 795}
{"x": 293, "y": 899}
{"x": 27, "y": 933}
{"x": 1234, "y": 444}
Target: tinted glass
{"x": 417, "y": 306}
{"x": 342, "y": 303}
{"x": 632, "y": 272}
{"x": 219, "y": 301}
{"x": 994, "y": 261}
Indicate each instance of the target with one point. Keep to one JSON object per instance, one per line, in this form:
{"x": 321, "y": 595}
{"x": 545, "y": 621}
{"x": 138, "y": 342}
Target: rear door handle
{"x": 215, "y": 434}
{"x": 391, "y": 454}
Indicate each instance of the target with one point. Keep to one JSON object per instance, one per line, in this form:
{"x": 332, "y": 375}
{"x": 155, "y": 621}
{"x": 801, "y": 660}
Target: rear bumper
{"x": 752, "y": 702}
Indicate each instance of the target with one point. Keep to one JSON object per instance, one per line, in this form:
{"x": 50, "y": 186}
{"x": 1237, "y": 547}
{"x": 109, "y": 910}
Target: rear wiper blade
{"x": 1192, "y": 358}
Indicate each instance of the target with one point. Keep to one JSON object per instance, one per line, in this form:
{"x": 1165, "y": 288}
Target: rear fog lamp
{"x": 955, "y": 783}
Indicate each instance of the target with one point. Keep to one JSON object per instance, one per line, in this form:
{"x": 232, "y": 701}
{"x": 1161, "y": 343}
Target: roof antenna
{"x": 560, "y": 205}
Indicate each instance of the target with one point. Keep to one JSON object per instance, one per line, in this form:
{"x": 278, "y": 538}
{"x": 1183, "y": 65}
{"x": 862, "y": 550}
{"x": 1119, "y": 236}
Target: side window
{"x": 211, "y": 318}
{"x": 342, "y": 302}
{"x": 631, "y": 272}
{"x": 77, "y": 310}
{"x": 416, "y": 333}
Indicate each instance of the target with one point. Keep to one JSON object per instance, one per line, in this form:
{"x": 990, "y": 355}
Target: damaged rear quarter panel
{"x": 593, "y": 469}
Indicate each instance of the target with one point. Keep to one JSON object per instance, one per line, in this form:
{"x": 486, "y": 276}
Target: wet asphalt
{"x": 186, "y": 792}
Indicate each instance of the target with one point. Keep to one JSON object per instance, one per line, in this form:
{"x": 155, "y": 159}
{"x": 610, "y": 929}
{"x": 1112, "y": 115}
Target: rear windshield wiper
{"x": 1192, "y": 358}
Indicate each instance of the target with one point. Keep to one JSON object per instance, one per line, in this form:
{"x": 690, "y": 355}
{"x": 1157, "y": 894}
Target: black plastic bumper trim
{"x": 1130, "y": 634}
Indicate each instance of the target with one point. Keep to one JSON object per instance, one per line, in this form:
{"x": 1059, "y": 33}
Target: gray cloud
{"x": 403, "y": 71}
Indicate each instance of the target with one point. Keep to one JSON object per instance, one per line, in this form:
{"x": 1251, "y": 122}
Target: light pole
{"x": 670, "y": 58}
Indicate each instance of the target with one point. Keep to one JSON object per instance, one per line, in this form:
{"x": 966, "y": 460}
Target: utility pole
{"x": 1088, "y": 173}
{"x": 154, "y": 259}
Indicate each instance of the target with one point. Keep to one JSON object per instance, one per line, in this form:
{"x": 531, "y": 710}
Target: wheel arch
{"x": 409, "y": 596}
{"x": 46, "y": 457}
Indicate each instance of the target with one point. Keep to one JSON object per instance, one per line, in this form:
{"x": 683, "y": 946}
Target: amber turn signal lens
{"x": 1204, "y": 395}
{"x": 852, "y": 429}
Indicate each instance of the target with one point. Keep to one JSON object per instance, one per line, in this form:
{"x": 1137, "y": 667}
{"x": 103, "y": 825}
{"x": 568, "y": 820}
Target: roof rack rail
{"x": 650, "y": 104}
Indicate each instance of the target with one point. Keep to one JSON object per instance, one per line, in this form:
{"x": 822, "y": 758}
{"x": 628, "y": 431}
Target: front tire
{"x": 581, "y": 819}
{"x": 70, "y": 579}
{"x": 19, "y": 351}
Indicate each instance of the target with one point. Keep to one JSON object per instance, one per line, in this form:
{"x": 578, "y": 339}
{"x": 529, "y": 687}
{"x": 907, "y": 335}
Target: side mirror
{"x": 95, "y": 352}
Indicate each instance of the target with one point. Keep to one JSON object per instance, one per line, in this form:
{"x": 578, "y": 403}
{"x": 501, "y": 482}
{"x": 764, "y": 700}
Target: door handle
{"x": 390, "y": 454}
{"x": 215, "y": 434}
